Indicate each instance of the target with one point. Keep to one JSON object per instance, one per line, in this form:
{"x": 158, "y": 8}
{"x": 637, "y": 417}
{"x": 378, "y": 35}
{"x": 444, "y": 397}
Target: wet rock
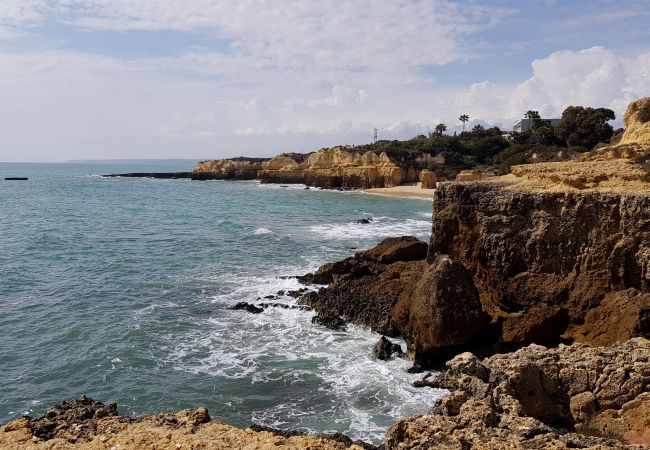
{"x": 364, "y": 220}
{"x": 68, "y": 415}
{"x": 297, "y": 293}
{"x": 245, "y": 306}
{"x": 385, "y": 349}
{"x": 330, "y": 321}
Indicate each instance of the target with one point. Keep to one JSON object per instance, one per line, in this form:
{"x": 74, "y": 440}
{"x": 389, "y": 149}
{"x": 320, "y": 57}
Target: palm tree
{"x": 464, "y": 118}
{"x": 533, "y": 117}
{"x": 440, "y": 128}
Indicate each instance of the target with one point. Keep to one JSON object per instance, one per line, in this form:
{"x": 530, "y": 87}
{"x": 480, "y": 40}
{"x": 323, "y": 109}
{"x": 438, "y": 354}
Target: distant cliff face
{"x": 229, "y": 169}
{"x": 337, "y": 167}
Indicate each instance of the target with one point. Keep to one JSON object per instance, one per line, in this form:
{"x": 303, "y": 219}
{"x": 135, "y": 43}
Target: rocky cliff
{"x": 338, "y": 167}
{"x": 554, "y": 252}
{"x": 229, "y": 169}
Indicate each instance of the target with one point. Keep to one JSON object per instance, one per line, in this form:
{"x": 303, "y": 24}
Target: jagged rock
{"x": 245, "y": 306}
{"x": 518, "y": 400}
{"x": 428, "y": 179}
{"x": 64, "y": 419}
{"x": 77, "y": 425}
{"x": 331, "y": 321}
{"x": 364, "y": 220}
{"x": 385, "y": 349}
{"x": 637, "y": 122}
{"x": 443, "y": 311}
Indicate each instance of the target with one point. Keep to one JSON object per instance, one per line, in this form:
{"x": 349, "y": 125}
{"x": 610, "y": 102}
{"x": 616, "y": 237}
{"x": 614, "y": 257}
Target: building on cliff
{"x": 525, "y": 124}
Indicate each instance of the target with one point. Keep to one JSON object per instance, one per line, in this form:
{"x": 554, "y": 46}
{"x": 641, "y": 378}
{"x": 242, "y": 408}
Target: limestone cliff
{"x": 637, "y": 122}
{"x": 338, "y": 167}
{"x": 229, "y": 169}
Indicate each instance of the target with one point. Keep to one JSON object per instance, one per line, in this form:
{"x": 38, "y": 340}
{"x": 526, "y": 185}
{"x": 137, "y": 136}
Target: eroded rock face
{"x": 442, "y": 312}
{"x": 557, "y": 254}
{"x": 229, "y": 169}
{"x": 338, "y": 167}
{"x": 532, "y": 397}
{"x": 637, "y": 122}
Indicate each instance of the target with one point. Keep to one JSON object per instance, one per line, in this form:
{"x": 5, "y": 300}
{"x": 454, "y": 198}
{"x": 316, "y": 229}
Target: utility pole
{"x": 375, "y": 136}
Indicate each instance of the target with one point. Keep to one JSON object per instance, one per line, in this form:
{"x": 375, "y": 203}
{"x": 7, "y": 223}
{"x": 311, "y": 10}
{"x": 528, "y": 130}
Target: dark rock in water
{"x": 16, "y": 179}
{"x": 284, "y": 306}
{"x": 364, "y": 220}
{"x": 70, "y": 413}
{"x": 330, "y": 321}
{"x": 270, "y": 297}
{"x": 426, "y": 381}
{"x": 245, "y": 306}
{"x": 280, "y": 292}
{"x": 307, "y": 188}
{"x": 297, "y": 293}
{"x": 385, "y": 349}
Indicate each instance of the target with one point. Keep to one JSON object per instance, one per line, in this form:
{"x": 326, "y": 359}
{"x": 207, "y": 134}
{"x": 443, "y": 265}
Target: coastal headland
{"x": 532, "y": 298}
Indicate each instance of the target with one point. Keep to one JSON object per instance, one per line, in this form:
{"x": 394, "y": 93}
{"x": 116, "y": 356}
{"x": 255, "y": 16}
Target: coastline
{"x": 404, "y": 190}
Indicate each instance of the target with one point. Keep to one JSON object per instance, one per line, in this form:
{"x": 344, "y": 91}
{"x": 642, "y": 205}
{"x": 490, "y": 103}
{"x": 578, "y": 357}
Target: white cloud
{"x": 293, "y": 75}
{"x": 313, "y": 37}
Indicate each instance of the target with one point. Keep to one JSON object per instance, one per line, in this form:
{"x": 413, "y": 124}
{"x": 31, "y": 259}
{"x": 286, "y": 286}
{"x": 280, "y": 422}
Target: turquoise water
{"x": 120, "y": 289}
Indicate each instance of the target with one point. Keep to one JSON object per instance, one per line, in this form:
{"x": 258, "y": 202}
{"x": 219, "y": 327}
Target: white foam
{"x": 262, "y": 231}
{"x": 282, "y": 346}
{"x": 377, "y": 228}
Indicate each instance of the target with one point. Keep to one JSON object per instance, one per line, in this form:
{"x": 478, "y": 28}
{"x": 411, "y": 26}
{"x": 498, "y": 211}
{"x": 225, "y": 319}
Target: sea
{"x": 122, "y": 288}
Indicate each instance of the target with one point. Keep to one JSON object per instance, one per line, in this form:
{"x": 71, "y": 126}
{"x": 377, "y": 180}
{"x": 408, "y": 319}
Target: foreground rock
{"x": 569, "y": 397}
{"x": 391, "y": 289}
{"x": 385, "y": 349}
{"x": 86, "y": 424}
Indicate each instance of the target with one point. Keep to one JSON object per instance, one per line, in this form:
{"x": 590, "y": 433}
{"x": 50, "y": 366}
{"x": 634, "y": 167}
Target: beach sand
{"x": 405, "y": 190}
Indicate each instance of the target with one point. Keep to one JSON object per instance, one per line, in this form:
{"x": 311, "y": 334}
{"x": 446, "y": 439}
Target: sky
{"x": 102, "y": 79}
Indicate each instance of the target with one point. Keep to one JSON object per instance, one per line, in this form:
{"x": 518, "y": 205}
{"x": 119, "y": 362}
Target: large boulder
{"x": 443, "y": 312}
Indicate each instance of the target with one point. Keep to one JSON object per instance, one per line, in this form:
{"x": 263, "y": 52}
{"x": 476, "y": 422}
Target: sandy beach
{"x": 405, "y": 190}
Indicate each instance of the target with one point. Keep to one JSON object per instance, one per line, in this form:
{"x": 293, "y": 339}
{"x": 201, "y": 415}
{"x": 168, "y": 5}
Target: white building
{"x": 524, "y": 124}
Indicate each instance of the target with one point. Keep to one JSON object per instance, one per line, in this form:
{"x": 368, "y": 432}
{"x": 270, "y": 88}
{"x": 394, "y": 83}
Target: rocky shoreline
{"x": 532, "y": 298}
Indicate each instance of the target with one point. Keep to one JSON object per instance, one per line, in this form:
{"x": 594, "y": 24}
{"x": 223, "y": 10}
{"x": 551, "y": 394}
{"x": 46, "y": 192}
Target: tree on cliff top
{"x": 440, "y": 128}
{"x": 464, "y": 118}
{"x": 586, "y": 127}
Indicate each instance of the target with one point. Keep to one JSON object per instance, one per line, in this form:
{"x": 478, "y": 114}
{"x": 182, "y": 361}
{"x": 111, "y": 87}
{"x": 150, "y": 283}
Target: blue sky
{"x": 85, "y": 79}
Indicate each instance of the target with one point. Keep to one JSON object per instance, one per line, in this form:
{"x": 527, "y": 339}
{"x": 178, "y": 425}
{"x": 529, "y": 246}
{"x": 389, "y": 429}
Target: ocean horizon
{"x": 122, "y": 289}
